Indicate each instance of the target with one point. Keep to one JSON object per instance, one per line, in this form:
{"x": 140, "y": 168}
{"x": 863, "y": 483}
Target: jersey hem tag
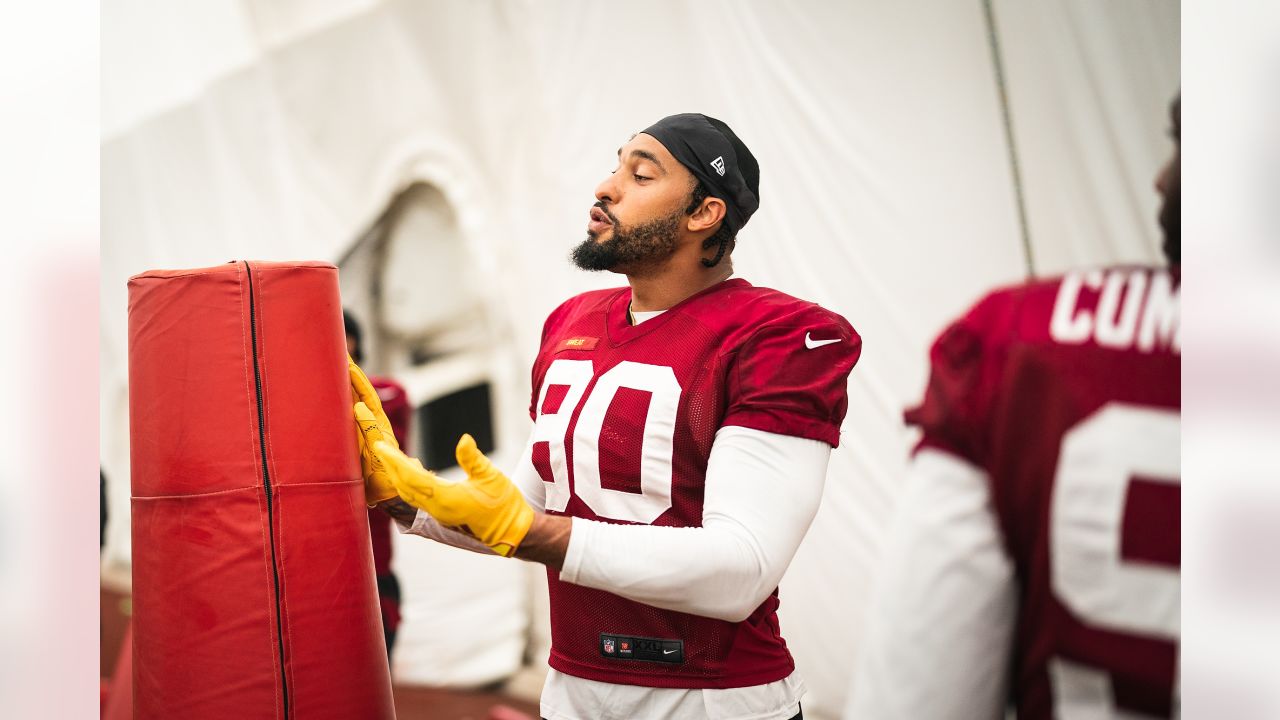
{"x": 628, "y": 647}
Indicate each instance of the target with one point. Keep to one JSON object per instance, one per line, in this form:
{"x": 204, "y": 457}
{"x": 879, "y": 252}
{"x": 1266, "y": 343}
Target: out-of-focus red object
{"x": 395, "y": 403}
{"x": 117, "y": 701}
{"x": 253, "y": 588}
{"x": 506, "y": 712}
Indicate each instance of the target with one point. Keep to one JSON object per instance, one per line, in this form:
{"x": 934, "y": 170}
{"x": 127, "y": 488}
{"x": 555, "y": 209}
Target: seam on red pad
{"x": 271, "y": 636}
{"x": 326, "y": 484}
{"x": 192, "y": 495}
{"x": 270, "y": 457}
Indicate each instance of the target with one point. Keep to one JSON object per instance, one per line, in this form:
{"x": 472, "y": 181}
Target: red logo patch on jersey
{"x": 578, "y": 343}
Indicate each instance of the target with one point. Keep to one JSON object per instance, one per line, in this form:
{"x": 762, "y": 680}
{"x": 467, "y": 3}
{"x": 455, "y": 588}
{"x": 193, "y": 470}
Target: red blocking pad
{"x": 253, "y": 583}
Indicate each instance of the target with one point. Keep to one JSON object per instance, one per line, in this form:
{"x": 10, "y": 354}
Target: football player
{"x": 1035, "y": 556}
{"x": 682, "y": 429}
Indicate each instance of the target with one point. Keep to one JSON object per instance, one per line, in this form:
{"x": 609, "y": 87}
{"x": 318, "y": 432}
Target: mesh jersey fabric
{"x": 626, "y": 416}
{"x": 1028, "y": 375}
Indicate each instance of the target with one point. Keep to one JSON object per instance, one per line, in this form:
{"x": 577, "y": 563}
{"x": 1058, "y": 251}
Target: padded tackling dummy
{"x": 253, "y": 587}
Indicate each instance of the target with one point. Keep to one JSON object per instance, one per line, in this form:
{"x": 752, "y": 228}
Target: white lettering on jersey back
{"x": 1129, "y": 313}
{"x": 1117, "y": 320}
{"x": 1160, "y": 326}
{"x": 1068, "y": 326}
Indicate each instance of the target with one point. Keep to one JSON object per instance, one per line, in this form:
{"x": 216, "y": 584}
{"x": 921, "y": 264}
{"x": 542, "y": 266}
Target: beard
{"x": 631, "y": 249}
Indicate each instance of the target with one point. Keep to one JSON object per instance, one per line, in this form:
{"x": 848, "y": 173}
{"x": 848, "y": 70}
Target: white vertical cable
{"x": 1005, "y": 115}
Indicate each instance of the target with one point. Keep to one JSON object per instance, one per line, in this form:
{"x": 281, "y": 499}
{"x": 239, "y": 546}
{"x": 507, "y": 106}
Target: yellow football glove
{"x": 371, "y": 425}
{"x": 377, "y": 481}
{"x": 362, "y": 392}
{"x": 486, "y": 506}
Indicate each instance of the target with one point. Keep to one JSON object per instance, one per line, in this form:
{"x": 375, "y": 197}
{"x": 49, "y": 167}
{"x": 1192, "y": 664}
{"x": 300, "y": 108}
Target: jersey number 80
{"x": 654, "y": 497}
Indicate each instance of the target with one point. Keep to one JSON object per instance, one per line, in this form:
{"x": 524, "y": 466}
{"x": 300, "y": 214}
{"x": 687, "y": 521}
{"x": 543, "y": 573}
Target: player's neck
{"x": 664, "y": 290}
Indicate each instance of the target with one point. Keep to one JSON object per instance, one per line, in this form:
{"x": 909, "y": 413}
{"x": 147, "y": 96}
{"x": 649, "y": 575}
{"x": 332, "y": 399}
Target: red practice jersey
{"x": 395, "y": 403}
{"x": 1067, "y": 394}
{"x": 625, "y": 419}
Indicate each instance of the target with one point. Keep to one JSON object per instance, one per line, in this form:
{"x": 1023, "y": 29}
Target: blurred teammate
{"x": 682, "y": 431}
{"x": 1035, "y": 557}
{"x": 395, "y": 403}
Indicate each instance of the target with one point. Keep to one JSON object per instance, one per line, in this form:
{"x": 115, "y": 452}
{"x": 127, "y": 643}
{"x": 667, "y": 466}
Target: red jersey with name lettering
{"x": 625, "y": 419}
{"x": 1067, "y": 394}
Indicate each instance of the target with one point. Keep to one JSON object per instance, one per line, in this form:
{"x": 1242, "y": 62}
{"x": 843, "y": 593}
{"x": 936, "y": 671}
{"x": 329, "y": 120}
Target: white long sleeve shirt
{"x": 943, "y": 612}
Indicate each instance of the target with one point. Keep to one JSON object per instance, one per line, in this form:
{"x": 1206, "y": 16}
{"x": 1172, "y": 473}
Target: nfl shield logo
{"x": 608, "y": 645}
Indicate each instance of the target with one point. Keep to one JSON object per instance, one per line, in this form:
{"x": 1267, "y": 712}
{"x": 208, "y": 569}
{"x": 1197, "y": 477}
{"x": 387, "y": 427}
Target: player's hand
{"x": 486, "y": 506}
{"x": 377, "y": 482}
{"x": 362, "y": 391}
{"x": 373, "y": 425}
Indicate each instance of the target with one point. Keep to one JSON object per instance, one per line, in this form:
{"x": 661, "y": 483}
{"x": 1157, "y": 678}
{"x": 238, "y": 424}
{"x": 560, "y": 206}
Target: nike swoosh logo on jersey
{"x": 810, "y": 343}
{"x": 667, "y": 652}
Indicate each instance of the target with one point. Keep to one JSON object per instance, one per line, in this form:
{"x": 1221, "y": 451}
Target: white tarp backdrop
{"x": 283, "y": 130}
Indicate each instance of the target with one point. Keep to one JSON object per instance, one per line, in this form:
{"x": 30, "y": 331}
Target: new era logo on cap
{"x": 718, "y": 164}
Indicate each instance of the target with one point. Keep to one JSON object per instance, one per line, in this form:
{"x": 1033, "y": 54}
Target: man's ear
{"x": 708, "y": 215}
